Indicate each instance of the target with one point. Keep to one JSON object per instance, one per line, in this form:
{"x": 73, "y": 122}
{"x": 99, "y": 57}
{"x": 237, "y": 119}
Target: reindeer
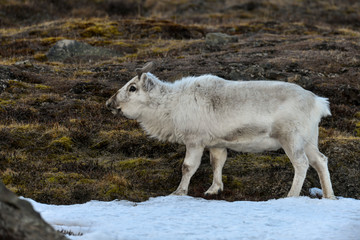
{"x": 217, "y": 114}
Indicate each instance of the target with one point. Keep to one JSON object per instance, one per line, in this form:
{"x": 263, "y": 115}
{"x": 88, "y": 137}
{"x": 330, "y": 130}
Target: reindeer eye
{"x": 132, "y": 89}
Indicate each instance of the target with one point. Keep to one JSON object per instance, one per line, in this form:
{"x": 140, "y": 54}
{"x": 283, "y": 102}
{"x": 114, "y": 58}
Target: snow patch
{"x": 174, "y": 217}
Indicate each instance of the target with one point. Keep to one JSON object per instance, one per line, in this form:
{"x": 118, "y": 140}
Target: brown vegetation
{"x": 58, "y": 143}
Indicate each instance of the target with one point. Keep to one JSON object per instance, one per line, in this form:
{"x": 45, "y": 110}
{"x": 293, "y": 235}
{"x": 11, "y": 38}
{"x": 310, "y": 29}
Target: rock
{"x": 303, "y": 81}
{"x": 255, "y": 72}
{"x": 218, "y": 39}
{"x": 316, "y": 192}
{"x": 25, "y": 63}
{"x": 274, "y": 75}
{"x": 3, "y": 85}
{"x": 294, "y": 79}
{"x": 71, "y": 50}
{"x": 18, "y": 219}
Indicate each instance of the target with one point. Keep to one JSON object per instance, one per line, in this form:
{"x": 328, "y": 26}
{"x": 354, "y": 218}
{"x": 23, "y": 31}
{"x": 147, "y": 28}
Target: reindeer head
{"x": 134, "y": 95}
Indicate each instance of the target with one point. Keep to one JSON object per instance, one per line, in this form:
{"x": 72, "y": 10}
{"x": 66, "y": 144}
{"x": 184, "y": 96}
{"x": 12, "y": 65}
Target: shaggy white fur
{"x": 246, "y": 116}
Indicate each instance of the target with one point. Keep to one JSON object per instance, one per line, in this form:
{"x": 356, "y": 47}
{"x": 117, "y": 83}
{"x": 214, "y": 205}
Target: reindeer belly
{"x": 247, "y": 140}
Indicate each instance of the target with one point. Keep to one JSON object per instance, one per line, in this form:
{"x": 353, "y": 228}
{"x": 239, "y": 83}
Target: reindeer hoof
{"x": 209, "y": 194}
{"x": 179, "y": 193}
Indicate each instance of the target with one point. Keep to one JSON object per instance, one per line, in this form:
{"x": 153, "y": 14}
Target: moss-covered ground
{"x": 58, "y": 143}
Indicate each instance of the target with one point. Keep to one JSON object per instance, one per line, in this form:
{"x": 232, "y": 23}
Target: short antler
{"x": 147, "y": 68}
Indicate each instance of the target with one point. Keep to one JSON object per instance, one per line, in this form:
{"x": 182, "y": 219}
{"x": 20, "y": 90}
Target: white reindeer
{"x": 245, "y": 116}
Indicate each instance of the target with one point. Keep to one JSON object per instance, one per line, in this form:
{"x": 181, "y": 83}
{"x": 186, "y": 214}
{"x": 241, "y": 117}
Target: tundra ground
{"x": 58, "y": 143}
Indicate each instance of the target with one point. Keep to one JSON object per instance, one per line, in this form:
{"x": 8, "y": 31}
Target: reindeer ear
{"x": 147, "y": 83}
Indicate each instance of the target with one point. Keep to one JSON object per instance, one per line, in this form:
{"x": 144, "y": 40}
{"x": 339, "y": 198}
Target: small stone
{"x": 294, "y": 79}
{"x": 25, "y": 63}
{"x": 255, "y": 71}
{"x": 315, "y": 192}
{"x": 3, "y": 85}
{"x": 274, "y": 75}
{"x": 67, "y": 50}
{"x": 216, "y": 39}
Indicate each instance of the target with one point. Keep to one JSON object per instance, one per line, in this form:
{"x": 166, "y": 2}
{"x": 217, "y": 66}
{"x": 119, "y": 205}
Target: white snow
{"x": 173, "y": 217}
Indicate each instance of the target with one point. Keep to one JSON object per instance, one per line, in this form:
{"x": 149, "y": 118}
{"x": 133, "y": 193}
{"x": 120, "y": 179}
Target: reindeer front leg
{"x": 191, "y": 164}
